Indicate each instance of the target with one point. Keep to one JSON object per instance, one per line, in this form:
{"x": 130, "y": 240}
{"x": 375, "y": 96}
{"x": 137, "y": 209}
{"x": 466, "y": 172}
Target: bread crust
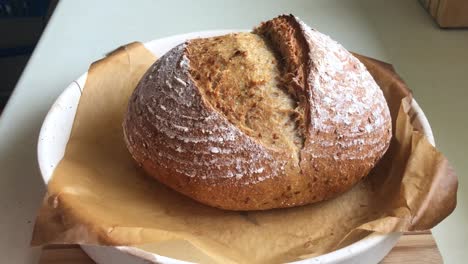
{"x": 179, "y": 138}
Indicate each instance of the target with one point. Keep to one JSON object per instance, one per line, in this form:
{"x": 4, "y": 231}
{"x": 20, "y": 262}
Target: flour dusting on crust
{"x": 176, "y": 127}
{"x": 345, "y": 96}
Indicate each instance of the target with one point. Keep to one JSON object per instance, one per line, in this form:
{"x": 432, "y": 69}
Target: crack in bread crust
{"x": 285, "y": 36}
{"x": 243, "y": 77}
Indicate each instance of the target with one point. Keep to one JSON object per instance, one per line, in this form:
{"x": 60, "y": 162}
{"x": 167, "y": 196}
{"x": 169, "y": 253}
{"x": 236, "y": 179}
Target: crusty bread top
{"x": 347, "y": 107}
{"x": 240, "y": 76}
{"x": 347, "y": 103}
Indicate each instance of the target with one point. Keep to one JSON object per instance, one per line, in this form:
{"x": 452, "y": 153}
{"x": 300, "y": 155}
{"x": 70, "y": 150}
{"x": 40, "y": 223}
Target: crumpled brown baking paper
{"x": 99, "y": 196}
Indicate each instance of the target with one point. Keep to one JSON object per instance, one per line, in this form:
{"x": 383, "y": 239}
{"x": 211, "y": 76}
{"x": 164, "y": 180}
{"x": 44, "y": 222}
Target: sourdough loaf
{"x": 277, "y": 117}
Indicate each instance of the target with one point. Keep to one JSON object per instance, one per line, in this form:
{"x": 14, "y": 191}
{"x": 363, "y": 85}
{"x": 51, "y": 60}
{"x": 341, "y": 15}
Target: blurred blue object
{"x": 23, "y": 8}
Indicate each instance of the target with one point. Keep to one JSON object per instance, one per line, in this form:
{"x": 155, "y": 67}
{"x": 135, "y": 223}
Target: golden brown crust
{"x": 239, "y": 75}
{"x": 175, "y": 130}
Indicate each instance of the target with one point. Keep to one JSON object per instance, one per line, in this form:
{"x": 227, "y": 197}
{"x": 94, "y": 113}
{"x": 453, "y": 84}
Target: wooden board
{"x": 413, "y": 248}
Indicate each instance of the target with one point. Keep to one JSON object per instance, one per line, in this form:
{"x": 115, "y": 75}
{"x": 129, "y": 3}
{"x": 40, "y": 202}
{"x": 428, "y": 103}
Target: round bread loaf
{"x": 279, "y": 117}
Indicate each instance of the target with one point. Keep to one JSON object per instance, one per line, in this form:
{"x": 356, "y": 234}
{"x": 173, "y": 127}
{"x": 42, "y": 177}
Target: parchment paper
{"x": 99, "y": 196}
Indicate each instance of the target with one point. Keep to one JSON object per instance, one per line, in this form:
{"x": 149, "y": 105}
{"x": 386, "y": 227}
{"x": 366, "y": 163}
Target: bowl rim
{"x": 77, "y": 87}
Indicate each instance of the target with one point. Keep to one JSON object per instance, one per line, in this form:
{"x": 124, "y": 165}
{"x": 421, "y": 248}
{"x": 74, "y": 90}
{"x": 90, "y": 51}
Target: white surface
{"x": 57, "y": 126}
{"x": 433, "y": 62}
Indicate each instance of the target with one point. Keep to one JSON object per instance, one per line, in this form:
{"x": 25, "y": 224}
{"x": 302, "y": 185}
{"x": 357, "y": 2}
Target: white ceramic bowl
{"x": 56, "y": 130}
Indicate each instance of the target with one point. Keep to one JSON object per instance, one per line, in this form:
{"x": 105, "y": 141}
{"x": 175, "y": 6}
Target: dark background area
{"x": 21, "y": 25}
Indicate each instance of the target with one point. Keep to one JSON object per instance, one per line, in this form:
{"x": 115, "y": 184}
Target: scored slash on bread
{"x": 279, "y": 117}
